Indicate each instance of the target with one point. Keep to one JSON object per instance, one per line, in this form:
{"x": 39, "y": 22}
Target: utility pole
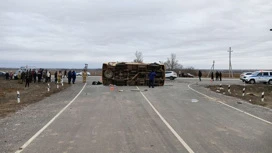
{"x": 230, "y": 67}
{"x": 212, "y": 69}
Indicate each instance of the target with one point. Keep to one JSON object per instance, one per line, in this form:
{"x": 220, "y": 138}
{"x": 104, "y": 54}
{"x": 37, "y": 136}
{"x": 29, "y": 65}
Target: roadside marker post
{"x": 220, "y": 87}
{"x": 229, "y": 88}
{"x": 18, "y": 96}
{"x": 48, "y": 88}
{"x": 244, "y": 91}
{"x": 262, "y": 96}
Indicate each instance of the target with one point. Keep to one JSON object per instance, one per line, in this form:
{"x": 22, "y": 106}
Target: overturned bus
{"x": 131, "y": 74}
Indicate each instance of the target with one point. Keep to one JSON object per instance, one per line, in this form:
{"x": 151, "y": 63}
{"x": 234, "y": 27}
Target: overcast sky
{"x": 70, "y": 33}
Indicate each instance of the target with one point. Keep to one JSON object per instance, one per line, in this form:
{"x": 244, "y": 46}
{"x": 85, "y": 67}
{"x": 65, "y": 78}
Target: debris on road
{"x": 238, "y": 102}
{"x": 194, "y": 100}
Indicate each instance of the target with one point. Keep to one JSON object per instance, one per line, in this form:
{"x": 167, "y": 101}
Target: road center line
{"x": 168, "y": 125}
{"x": 239, "y": 110}
{"x": 51, "y": 121}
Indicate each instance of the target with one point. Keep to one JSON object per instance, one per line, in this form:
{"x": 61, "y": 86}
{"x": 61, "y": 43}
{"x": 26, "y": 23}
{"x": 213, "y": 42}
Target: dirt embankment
{"x": 252, "y": 94}
{"x": 34, "y": 93}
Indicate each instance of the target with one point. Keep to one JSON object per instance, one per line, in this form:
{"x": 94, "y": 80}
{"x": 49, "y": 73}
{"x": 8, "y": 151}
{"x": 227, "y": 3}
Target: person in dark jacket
{"x": 39, "y": 75}
{"x": 74, "y": 77}
{"x": 217, "y": 75}
{"x": 220, "y": 76}
{"x": 27, "y": 78}
{"x": 69, "y": 77}
{"x": 23, "y": 76}
{"x": 212, "y": 77}
{"x": 34, "y": 76}
{"x": 151, "y": 77}
{"x": 56, "y": 76}
{"x": 199, "y": 75}
{"x": 7, "y": 76}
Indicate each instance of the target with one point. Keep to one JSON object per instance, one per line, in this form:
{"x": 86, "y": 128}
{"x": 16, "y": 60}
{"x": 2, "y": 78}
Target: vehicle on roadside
{"x": 2, "y": 73}
{"x": 23, "y": 69}
{"x": 244, "y": 75}
{"x": 80, "y": 73}
{"x": 171, "y": 75}
{"x": 259, "y": 77}
{"x": 187, "y": 75}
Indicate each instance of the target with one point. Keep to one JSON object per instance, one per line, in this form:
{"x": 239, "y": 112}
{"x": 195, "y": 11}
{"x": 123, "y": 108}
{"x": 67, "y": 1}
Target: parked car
{"x": 24, "y": 69}
{"x": 171, "y": 75}
{"x": 80, "y": 74}
{"x": 188, "y": 75}
{"x": 244, "y": 75}
{"x": 259, "y": 77}
{"x": 2, "y": 74}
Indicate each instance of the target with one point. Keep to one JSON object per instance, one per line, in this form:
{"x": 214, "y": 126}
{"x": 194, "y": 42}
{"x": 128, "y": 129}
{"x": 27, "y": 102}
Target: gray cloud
{"x": 58, "y": 33}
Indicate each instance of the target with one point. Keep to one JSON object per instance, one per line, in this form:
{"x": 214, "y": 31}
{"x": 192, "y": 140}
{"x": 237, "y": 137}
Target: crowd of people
{"x": 218, "y": 76}
{"x": 45, "y": 76}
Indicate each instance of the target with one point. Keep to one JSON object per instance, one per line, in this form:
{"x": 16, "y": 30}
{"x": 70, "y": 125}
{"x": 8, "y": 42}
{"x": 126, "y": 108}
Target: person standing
{"x": 212, "y": 76}
{"x": 74, "y": 76}
{"x": 34, "y": 76}
{"x": 19, "y": 77}
{"x": 39, "y": 75}
{"x": 69, "y": 77}
{"x": 65, "y": 73}
{"x": 48, "y": 75}
{"x": 59, "y": 77}
{"x": 220, "y": 76}
{"x": 7, "y": 76}
{"x": 84, "y": 76}
{"x": 199, "y": 75}
{"x": 10, "y": 75}
{"x": 152, "y": 76}
{"x": 217, "y": 75}
{"x": 30, "y": 75}
{"x": 23, "y": 76}
{"x": 27, "y": 78}
{"x": 56, "y": 77}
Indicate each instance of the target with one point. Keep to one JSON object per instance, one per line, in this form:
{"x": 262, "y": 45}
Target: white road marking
{"x": 168, "y": 125}
{"x": 239, "y": 110}
{"x": 51, "y": 121}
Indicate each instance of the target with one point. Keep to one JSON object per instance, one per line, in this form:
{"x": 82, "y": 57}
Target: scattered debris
{"x": 121, "y": 90}
{"x": 238, "y": 102}
{"x": 218, "y": 91}
{"x": 250, "y": 94}
{"x": 96, "y": 83}
{"x": 194, "y": 100}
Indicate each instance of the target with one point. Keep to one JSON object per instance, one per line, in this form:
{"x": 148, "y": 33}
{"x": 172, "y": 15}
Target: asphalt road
{"x": 172, "y": 118}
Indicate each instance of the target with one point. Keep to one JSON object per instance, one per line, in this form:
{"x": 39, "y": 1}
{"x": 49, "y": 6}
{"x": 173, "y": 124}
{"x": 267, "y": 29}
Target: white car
{"x": 80, "y": 74}
{"x": 171, "y": 75}
{"x": 244, "y": 75}
{"x": 259, "y": 77}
